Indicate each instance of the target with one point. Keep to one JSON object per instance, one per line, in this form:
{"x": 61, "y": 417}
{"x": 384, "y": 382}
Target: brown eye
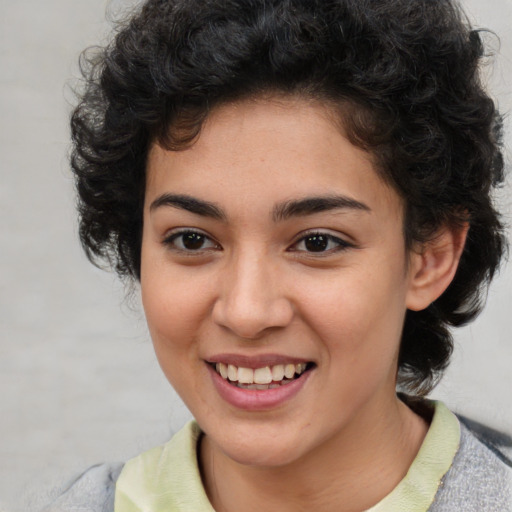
{"x": 193, "y": 241}
{"x": 320, "y": 243}
{"x": 190, "y": 241}
{"x": 316, "y": 243}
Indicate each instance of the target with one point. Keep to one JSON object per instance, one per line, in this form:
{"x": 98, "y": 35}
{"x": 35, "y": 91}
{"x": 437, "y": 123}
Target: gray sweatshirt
{"x": 479, "y": 480}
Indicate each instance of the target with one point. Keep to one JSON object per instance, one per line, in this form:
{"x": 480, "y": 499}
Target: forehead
{"x": 271, "y": 150}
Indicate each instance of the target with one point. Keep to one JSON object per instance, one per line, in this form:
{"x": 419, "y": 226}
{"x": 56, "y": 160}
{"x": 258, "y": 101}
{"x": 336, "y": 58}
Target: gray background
{"x": 78, "y": 379}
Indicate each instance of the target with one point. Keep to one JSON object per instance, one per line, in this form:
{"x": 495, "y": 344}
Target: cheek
{"x": 169, "y": 321}
{"x": 361, "y": 313}
{"x": 174, "y": 300}
{"x": 166, "y": 320}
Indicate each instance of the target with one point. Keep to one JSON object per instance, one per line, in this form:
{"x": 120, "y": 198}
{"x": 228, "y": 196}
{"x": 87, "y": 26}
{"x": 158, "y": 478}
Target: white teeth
{"x": 266, "y": 376}
{"x": 245, "y": 375}
{"x": 222, "y": 369}
{"x": 232, "y": 372}
{"x": 289, "y": 371}
{"x": 262, "y": 375}
{"x": 278, "y": 372}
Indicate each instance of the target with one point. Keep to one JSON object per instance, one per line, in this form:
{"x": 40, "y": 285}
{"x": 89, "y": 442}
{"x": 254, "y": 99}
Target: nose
{"x": 251, "y": 301}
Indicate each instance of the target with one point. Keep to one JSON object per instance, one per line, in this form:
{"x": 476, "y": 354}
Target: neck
{"x": 350, "y": 472}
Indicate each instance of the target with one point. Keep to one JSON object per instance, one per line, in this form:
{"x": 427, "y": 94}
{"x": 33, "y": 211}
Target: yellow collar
{"x": 167, "y": 478}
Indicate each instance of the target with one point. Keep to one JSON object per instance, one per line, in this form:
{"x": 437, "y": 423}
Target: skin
{"x": 252, "y": 287}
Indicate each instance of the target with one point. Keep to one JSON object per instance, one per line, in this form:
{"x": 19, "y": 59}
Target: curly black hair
{"x": 407, "y": 74}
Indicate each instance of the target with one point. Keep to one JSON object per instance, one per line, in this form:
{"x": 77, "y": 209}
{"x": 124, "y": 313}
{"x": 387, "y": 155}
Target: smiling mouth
{"x": 267, "y": 377}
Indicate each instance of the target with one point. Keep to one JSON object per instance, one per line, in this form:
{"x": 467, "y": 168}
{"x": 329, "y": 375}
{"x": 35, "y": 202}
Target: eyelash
{"x": 170, "y": 241}
{"x": 321, "y": 236}
{"x": 340, "y": 244}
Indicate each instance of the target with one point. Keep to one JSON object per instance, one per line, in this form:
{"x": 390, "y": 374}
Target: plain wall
{"x": 78, "y": 378}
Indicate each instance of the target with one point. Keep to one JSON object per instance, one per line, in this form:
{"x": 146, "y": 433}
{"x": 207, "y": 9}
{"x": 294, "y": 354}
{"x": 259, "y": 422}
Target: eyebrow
{"x": 280, "y": 212}
{"x": 189, "y": 203}
{"x": 311, "y": 205}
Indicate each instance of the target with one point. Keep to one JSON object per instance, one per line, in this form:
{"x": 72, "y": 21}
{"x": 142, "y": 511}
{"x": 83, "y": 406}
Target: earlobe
{"x": 433, "y": 266}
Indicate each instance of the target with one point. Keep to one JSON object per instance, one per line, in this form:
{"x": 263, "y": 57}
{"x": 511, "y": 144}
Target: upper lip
{"x": 256, "y": 361}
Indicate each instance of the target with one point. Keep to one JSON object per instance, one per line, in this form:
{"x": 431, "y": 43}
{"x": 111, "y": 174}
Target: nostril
{"x": 249, "y": 317}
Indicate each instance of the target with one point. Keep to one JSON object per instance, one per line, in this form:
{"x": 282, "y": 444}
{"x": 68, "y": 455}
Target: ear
{"x": 433, "y": 266}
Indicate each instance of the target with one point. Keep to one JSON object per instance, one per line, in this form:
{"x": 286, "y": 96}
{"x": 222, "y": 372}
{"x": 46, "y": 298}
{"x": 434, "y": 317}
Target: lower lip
{"x": 257, "y": 399}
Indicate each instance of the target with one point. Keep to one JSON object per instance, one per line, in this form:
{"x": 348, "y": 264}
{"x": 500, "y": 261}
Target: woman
{"x": 303, "y": 191}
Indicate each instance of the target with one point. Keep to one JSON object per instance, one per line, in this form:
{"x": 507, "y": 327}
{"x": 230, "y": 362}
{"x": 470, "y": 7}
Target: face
{"x": 274, "y": 280}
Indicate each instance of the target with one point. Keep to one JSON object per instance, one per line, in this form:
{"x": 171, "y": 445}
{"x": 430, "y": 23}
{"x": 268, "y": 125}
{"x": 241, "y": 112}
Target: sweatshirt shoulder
{"x": 91, "y": 491}
{"x": 497, "y": 442}
{"x": 480, "y": 477}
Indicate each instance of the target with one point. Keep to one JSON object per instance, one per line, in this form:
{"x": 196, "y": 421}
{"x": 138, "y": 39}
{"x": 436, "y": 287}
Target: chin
{"x": 254, "y": 448}
{"x": 263, "y": 457}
